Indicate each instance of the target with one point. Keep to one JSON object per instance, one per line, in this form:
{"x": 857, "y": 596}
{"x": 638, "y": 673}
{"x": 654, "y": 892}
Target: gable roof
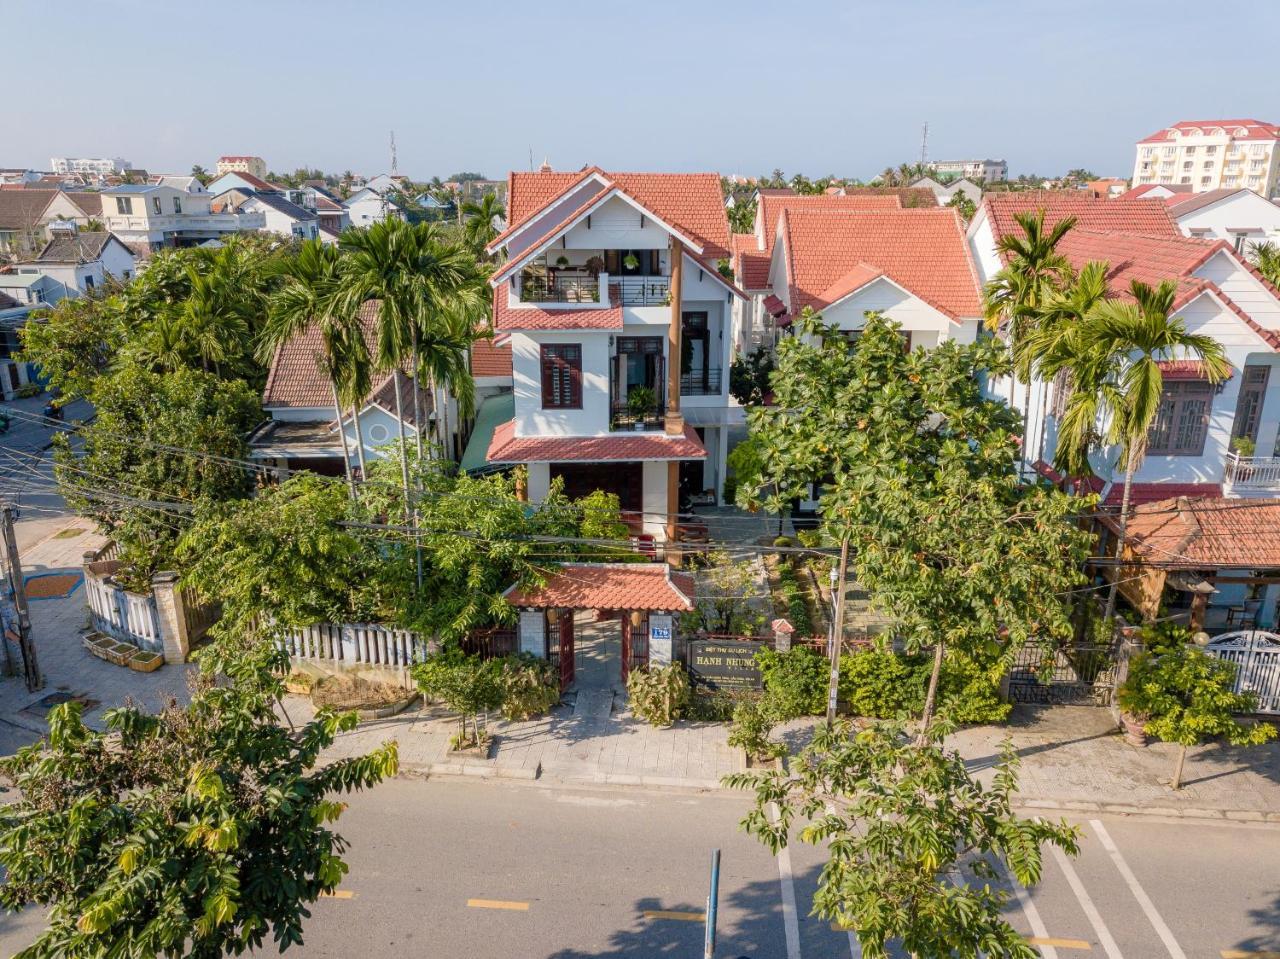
{"x": 77, "y": 248}
{"x": 287, "y": 207}
{"x": 1141, "y": 216}
{"x": 488, "y": 359}
{"x": 22, "y": 209}
{"x": 1238, "y": 129}
{"x": 254, "y": 182}
{"x": 831, "y": 253}
{"x": 89, "y": 201}
{"x": 1145, "y": 188}
{"x": 296, "y": 377}
{"x": 772, "y": 205}
{"x": 642, "y": 586}
{"x": 750, "y": 265}
{"x": 1182, "y": 204}
{"x": 1205, "y": 532}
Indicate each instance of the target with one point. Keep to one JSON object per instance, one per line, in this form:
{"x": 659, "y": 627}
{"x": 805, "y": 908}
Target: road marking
{"x": 1038, "y": 931}
{"x": 669, "y": 914}
{"x": 338, "y": 894}
{"x": 1086, "y": 903}
{"x": 1140, "y": 894}
{"x": 790, "y": 924}
{"x": 498, "y": 904}
{"x": 1059, "y": 943}
{"x": 1246, "y": 954}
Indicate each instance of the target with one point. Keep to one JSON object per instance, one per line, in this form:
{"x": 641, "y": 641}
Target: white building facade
{"x": 98, "y": 165}
{"x": 1212, "y": 155}
{"x": 986, "y": 170}
{"x": 155, "y": 216}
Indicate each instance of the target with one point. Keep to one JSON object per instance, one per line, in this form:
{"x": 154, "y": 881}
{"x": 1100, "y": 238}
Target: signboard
{"x": 724, "y": 663}
{"x": 660, "y": 632}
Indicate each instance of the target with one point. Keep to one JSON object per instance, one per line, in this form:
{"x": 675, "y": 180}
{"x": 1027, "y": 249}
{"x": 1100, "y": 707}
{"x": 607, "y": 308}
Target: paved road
{"x": 470, "y": 869}
{"x": 26, "y": 469}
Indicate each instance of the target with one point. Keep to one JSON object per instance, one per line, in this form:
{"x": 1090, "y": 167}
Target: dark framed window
{"x": 562, "y": 376}
{"x": 648, "y": 262}
{"x": 1183, "y": 419}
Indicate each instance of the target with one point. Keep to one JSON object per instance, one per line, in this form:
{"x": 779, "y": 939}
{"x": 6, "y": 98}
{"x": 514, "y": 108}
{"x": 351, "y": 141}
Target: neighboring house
{"x": 81, "y": 262}
{"x": 369, "y": 206}
{"x": 620, "y": 332}
{"x": 1240, "y": 217}
{"x": 240, "y": 180}
{"x": 1189, "y": 447}
{"x": 20, "y": 294}
{"x": 388, "y": 183}
{"x": 988, "y": 171}
{"x": 17, "y": 176}
{"x": 32, "y": 289}
{"x": 1156, "y": 191}
{"x": 1205, "y": 561}
{"x": 282, "y": 216}
{"x": 944, "y": 190}
{"x": 302, "y": 432}
{"x": 256, "y": 166}
{"x": 27, "y": 216}
{"x": 1107, "y": 187}
{"x": 1211, "y": 155}
{"x": 98, "y": 165}
{"x": 180, "y": 181}
{"x": 333, "y": 216}
{"x": 152, "y": 217}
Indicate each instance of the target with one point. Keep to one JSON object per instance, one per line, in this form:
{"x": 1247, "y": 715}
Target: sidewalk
{"x": 1071, "y": 758}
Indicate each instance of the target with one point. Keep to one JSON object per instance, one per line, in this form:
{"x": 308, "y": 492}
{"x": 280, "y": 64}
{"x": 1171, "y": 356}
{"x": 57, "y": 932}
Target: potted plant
{"x": 631, "y": 261}
{"x": 595, "y": 266}
{"x": 1243, "y": 446}
{"x": 641, "y": 401}
{"x": 562, "y": 262}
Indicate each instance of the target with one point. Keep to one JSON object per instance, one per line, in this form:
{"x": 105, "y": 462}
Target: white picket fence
{"x": 1257, "y": 655}
{"x": 355, "y": 644}
{"x": 128, "y": 617}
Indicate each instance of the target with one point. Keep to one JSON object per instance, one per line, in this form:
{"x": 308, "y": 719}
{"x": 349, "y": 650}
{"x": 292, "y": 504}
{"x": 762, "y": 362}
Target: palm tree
{"x": 481, "y": 220}
{"x": 162, "y": 347}
{"x": 1266, "y": 257}
{"x": 214, "y": 318}
{"x": 1034, "y": 271}
{"x": 1061, "y": 317}
{"x": 306, "y": 299}
{"x": 1118, "y": 380}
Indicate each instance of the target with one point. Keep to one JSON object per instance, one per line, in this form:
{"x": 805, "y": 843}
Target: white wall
{"x": 616, "y": 225}
{"x": 927, "y": 326}
{"x": 1245, "y": 212}
{"x": 654, "y": 500}
{"x": 531, "y": 419}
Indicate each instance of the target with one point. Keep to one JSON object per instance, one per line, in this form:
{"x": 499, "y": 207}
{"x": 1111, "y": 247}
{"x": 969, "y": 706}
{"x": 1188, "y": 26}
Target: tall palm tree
{"x": 307, "y": 298}
{"x": 214, "y": 319}
{"x": 1119, "y": 383}
{"x": 1266, "y": 257}
{"x": 1034, "y": 271}
{"x": 482, "y": 219}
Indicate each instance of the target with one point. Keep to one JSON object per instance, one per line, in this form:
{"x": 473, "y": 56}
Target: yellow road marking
{"x": 836, "y": 927}
{"x": 498, "y": 904}
{"x": 1246, "y": 954}
{"x": 1059, "y": 943}
{"x": 668, "y": 914}
{"x": 338, "y": 894}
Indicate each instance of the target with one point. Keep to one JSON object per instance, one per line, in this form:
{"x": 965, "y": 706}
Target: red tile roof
{"x": 641, "y": 586}
{"x": 1183, "y": 370}
{"x": 506, "y": 447}
{"x": 490, "y": 360}
{"x": 1141, "y": 493}
{"x": 1143, "y": 189}
{"x": 296, "y": 377}
{"x": 690, "y": 202}
{"x": 1206, "y": 532}
{"x": 832, "y": 253}
{"x": 506, "y": 317}
{"x": 1132, "y": 256}
{"x": 1148, "y": 217}
{"x": 1237, "y": 129}
{"x": 772, "y": 206}
{"x": 750, "y": 264}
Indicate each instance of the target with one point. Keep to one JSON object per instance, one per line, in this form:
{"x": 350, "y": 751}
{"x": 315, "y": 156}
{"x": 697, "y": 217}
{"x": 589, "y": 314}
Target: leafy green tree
{"x": 1266, "y": 257}
{"x": 74, "y": 342}
{"x": 917, "y": 471}
{"x": 284, "y": 555}
{"x": 201, "y": 174}
{"x": 1115, "y": 365}
{"x": 158, "y": 438}
{"x": 601, "y": 518}
{"x": 742, "y": 216}
{"x": 900, "y": 822}
{"x": 1187, "y": 696}
{"x": 468, "y": 685}
{"x": 962, "y": 204}
{"x": 202, "y": 830}
{"x": 730, "y": 600}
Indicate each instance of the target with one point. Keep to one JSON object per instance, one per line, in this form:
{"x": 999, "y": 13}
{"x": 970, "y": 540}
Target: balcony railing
{"x": 1252, "y": 472}
{"x": 626, "y": 416}
{"x": 560, "y": 289}
{"x": 643, "y": 290}
{"x": 700, "y": 383}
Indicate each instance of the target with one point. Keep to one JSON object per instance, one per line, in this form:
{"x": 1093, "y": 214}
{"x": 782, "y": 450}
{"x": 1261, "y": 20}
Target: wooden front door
{"x": 635, "y": 645}
{"x": 566, "y": 649}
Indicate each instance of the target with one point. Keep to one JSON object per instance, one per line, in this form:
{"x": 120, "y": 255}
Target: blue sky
{"x": 739, "y": 87}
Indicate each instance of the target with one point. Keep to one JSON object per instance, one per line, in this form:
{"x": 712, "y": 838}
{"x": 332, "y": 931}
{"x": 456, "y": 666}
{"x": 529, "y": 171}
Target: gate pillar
{"x": 532, "y": 632}
{"x": 661, "y": 638}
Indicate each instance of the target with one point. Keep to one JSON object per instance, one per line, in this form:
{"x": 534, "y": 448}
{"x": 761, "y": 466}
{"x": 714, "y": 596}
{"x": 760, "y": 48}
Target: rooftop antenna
{"x": 531, "y": 158}
{"x": 393, "y": 152}
{"x": 924, "y": 144}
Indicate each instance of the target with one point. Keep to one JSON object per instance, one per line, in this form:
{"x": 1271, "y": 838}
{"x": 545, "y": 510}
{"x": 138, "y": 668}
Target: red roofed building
{"x": 1207, "y": 437}
{"x": 1210, "y": 155}
{"x": 619, "y": 326}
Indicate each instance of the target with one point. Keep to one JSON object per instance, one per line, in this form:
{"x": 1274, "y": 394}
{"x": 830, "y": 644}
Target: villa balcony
{"x": 705, "y": 382}
{"x": 1251, "y": 475}
{"x": 643, "y": 290}
{"x": 561, "y": 288}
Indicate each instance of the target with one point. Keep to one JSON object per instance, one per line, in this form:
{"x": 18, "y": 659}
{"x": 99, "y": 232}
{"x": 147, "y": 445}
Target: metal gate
{"x": 635, "y": 644}
{"x": 1080, "y": 675}
{"x": 566, "y": 649}
{"x": 1257, "y": 656}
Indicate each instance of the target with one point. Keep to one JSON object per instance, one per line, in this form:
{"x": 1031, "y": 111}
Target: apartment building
{"x": 1208, "y": 439}
{"x": 152, "y": 216}
{"x": 101, "y": 166}
{"x": 1211, "y": 155}
{"x": 987, "y": 171}
{"x": 255, "y": 166}
{"x": 619, "y": 325}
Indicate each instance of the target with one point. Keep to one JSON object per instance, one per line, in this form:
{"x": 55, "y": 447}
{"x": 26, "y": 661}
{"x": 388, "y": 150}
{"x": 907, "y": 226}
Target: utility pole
{"x": 924, "y": 144}
{"x": 18, "y": 588}
{"x": 837, "y": 629}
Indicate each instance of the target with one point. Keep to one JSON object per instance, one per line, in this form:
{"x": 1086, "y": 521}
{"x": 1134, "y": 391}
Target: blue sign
{"x": 659, "y": 632}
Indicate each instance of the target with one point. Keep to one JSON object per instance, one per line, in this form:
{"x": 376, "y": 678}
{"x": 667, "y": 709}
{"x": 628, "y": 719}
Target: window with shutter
{"x": 562, "y": 376}
{"x": 1182, "y": 419}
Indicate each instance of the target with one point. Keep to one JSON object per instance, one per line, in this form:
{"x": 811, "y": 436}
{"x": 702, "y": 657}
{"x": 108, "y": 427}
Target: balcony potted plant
{"x": 631, "y": 262}
{"x": 1243, "y": 446}
{"x": 641, "y": 403}
{"x": 595, "y": 266}
{"x": 562, "y": 262}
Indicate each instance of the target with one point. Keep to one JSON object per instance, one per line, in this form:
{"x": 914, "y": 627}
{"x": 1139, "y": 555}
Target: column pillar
{"x": 172, "y": 613}
{"x": 532, "y": 632}
{"x": 674, "y": 420}
{"x": 782, "y": 631}
{"x": 661, "y": 638}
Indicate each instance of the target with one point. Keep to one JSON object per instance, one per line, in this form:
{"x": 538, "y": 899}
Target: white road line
{"x": 855, "y": 947}
{"x": 790, "y": 922}
{"x": 1086, "y": 903}
{"x": 1033, "y": 918}
{"x": 1157, "y": 923}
